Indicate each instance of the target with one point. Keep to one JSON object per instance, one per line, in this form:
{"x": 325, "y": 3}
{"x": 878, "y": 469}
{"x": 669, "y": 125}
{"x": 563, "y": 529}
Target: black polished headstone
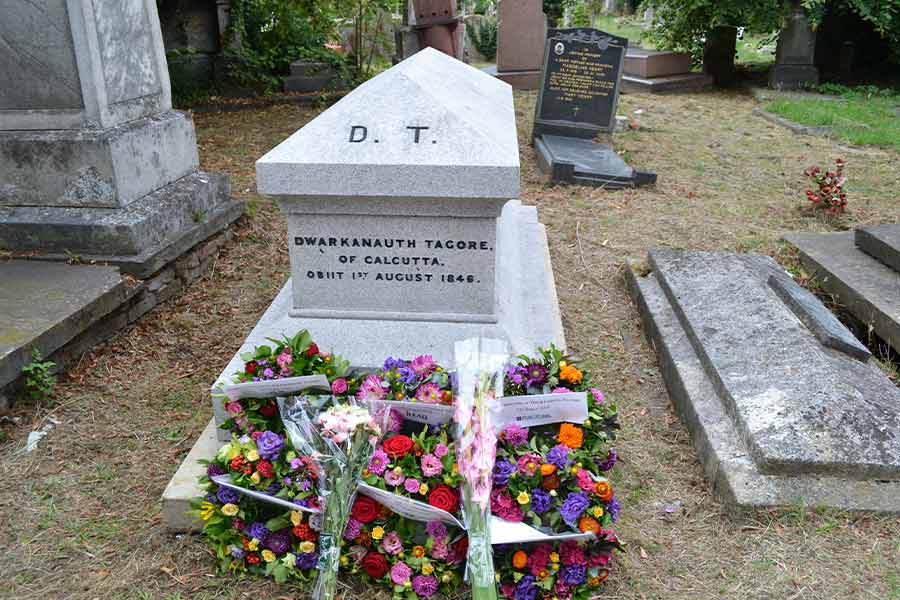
{"x": 579, "y": 83}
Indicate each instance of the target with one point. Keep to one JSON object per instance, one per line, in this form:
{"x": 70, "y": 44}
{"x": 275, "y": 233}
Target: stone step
{"x": 866, "y": 287}
{"x": 882, "y": 242}
{"x": 733, "y": 476}
{"x": 46, "y": 305}
{"x": 645, "y": 64}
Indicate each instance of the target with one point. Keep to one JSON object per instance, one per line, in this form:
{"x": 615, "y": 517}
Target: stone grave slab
{"x": 727, "y": 463}
{"x": 867, "y": 287}
{"x": 882, "y": 242}
{"x": 521, "y": 30}
{"x": 658, "y": 71}
{"x": 46, "y": 305}
{"x": 576, "y": 103}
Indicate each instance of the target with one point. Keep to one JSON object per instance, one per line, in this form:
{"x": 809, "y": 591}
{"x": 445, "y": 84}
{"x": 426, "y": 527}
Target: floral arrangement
{"x": 295, "y": 356}
{"x": 421, "y": 466}
{"x": 265, "y": 461}
{"x": 418, "y": 380}
{"x": 568, "y": 570}
{"x": 829, "y": 191}
{"x": 248, "y": 536}
{"x": 553, "y": 476}
{"x": 412, "y": 559}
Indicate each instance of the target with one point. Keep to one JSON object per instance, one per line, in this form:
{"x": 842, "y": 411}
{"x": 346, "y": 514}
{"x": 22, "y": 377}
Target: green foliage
{"x": 482, "y": 33}
{"x": 39, "y": 381}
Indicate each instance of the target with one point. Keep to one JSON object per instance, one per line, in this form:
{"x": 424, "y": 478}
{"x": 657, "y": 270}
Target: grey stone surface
{"x": 469, "y": 149}
{"x": 586, "y": 162}
{"x": 869, "y": 289}
{"x": 184, "y": 485}
{"x": 821, "y": 321}
{"x": 795, "y": 127}
{"x": 727, "y": 463}
{"x": 140, "y": 238}
{"x": 687, "y": 82}
{"x": 799, "y": 407}
{"x": 795, "y": 54}
{"x": 527, "y": 311}
{"x": 648, "y": 64}
{"x": 96, "y": 168}
{"x": 882, "y": 242}
{"x": 45, "y": 305}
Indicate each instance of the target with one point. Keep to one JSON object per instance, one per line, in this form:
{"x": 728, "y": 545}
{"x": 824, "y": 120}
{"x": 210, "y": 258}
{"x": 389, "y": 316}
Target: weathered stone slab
{"x": 645, "y": 64}
{"x": 821, "y": 321}
{"x": 585, "y": 162}
{"x": 46, "y": 305}
{"x": 686, "y": 82}
{"x": 869, "y": 289}
{"x": 727, "y": 463}
{"x": 882, "y": 242}
{"x": 185, "y": 486}
{"x": 799, "y": 406}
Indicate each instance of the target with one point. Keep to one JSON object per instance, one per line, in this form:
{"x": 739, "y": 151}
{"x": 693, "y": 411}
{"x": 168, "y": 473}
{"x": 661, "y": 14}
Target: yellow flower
{"x": 207, "y": 510}
{"x": 554, "y": 557}
{"x": 523, "y": 498}
{"x": 252, "y": 455}
{"x": 423, "y": 489}
{"x": 418, "y": 551}
{"x": 497, "y": 577}
{"x": 255, "y": 477}
{"x": 407, "y": 583}
{"x": 253, "y": 545}
{"x": 328, "y": 358}
{"x": 399, "y": 396}
{"x": 544, "y": 574}
{"x": 229, "y": 510}
{"x": 268, "y": 555}
{"x": 455, "y": 469}
{"x": 377, "y": 532}
{"x": 446, "y": 577}
{"x": 402, "y": 555}
{"x": 574, "y": 470}
{"x": 598, "y": 511}
{"x": 234, "y": 452}
{"x": 296, "y": 518}
{"x": 427, "y": 569}
{"x": 306, "y": 547}
{"x": 345, "y": 560}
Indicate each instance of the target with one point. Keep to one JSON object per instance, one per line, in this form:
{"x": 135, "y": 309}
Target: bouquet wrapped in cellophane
{"x": 339, "y": 435}
{"x": 479, "y": 364}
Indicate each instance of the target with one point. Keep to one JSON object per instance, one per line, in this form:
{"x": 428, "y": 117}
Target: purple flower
{"x": 598, "y": 395}
{"x": 559, "y": 456}
{"x": 351, "y": 531}
{"x": 273, "y": 488}
{"x": 515, "y": 435}
{"x": 424, "y": 585}
{"x": 258, "y": 530}
{"x": 296, "y": 463}
{"x": 572, "y": 508}
{"x": 574, "y": 574}
{"x": 441, "y": 450}
{"x": 526, "y": 590}
{"x": 287, "y": 481}
{"x": 379, "y": 462}
{"x": 503, "y": 470}
{"x": 306, "y": 485}
{"x": 436, "y": 530}
{"x": 214, "y": 470}
{"x": 406, "y": 375}
{"x": 540, "y": 501}
{"x": 211, "y": 498}
{"x": 423, "y": 365}
{"x": 227, "y": 496}
{"x": 279, "y": 541}
{"x": 270, "y": 445}
{"x": 515, "y": 374}
{"x": 613, "y": 508}
{"x": 609, "y": 462}
{"x": 561, "y": 390}
{"x": 237, "y": 552}
{"x": 395, "y": 421}
{"x": 400, "y": 573}
{"x": 268, "y": 374}
{"x": 536, "y": 374}
{"x": 391, "y": 363}
{"x": 307, "y": 560}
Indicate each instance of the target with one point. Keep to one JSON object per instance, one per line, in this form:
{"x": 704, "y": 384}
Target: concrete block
{"x": 184, "y": 487}
{"x": 881, "y": 242}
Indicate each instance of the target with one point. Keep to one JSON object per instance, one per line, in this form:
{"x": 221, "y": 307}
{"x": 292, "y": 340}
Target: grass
{"x": 80, "y": 515}
{"x": 860, "y": 119}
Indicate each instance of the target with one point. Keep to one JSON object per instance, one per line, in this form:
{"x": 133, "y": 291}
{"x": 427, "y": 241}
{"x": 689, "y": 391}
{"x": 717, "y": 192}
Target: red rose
{"x": 250, "y": 367}
{"x": 265, "y": 469}
{"x": 397, "y": 446}
{"x": 460, "y": 549}
{"x": 365, "y": 510}
{"x": 267, "y": 410}
{"x": 312, "y": 350}
{"x": 444, "y": 497}
{"x": 253, "y": 559}
{"x": 248, "y": 469}
{"x": 237, "y": 524}
{"x": 236, "y": 463}
{"x": 375, "y": 565}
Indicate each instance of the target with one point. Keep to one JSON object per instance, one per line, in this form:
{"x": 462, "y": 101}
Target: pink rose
{"x": 339, "y": 386}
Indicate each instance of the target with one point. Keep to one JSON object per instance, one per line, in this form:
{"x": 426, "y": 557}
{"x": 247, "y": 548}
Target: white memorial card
{"x": 275, "y": 387}
{"x": 542, "y": 409}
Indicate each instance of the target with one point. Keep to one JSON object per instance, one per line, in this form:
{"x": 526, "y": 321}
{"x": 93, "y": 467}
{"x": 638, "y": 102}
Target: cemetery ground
{"x": 81, "y": 513}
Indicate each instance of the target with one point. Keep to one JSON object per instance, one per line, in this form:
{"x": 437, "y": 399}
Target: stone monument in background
{"x": 795, "y": 53}
{"x": 93, "y": 160}
{"x": 521, "y": 29}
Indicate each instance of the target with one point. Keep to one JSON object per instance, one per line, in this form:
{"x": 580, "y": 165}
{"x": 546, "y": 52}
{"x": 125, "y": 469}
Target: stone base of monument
{"x": 862, "y": 270}
{"x": 657, "y": 71}
{"x": 685, "y": 82}
{"x": 139, "y": 238}
{"x": 530, "y": 318}
{"x": 778, "y": 417}
{"x": 585, "y": 162}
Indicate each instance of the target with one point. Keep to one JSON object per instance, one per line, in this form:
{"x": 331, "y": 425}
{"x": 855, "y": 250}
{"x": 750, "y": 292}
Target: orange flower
{"x": 589, "y": 525}
{"x": 603, "y": 490}
{"x": 543, "y": 574}
{"x": 419, "y": 551}
{"x": 570, "y": 373}
{"x": 570, "y": 435}
{"x": 548, "y": 469}
{"x": 600, "y": 578}
{"x": 520, "y": 559}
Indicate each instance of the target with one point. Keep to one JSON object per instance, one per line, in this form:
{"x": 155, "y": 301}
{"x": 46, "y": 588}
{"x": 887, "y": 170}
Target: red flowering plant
{"x": 248, "y": 536}
{"x": 553, "y": 476}
{"x": 828, "y": 193}
{"x": 412, "y": 559}
{"x": 297, "y": 356}
{"x": 569, "y": 570}
{"x": 418, "y": 380}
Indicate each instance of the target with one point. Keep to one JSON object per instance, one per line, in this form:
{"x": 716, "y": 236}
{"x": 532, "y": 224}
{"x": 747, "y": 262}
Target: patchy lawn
{"x": 81, "y": 514}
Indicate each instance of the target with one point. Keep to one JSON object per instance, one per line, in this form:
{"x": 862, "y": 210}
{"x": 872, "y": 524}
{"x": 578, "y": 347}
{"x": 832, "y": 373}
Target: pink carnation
{"x": 505, "y": 507}
{"x": 392, "y": 543}
{"x": 423, "y": 365}
{"x": 431, "y": 465}
{"x": 233, "y": 407}
{"x": 570, "y": 553}
{"x": 528, "y": 464}
{"x": 411, "y": 485}
{"x": 371, "y": 389}
{"x": 400, "y": 573}
{"x": 585, "y": 481}
{"x": 339, "y": 386}
{"x": 441, "y": 450}
{"x": 429, "y": 393}
{"x": 598, "y": 395}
